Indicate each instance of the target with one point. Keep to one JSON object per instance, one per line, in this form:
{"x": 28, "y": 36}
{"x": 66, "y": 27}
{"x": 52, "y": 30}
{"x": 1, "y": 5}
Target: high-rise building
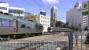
{"x": 43, "y": 13}
{"x": 74, "y": 18}
{"x": 15, "y": 11}
{"x": 85, "y": 6}
{"x": 77, "y": 16}
{"x": 53, "y": 16}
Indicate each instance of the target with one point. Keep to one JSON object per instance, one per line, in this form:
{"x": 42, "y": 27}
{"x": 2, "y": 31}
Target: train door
{"x": 15, "y": 25}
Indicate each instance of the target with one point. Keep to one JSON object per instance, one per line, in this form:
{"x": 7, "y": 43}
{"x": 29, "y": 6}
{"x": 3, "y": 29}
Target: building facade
{"x": 15, "y": 11}
{"x": 19, "y": 12}
{"x": 75, "y": 17}
{"x": 85, "y": 11}
{"x": 45, "y": 21}
{"x": 30, "y": 17}
{"x": 38, "y": 18}
{"x": 53, "y": 16}
{"x": 4, "y": 7}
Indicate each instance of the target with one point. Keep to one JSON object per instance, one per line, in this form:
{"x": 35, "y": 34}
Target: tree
{"x": 59, "y": 24}
{"x": 66, "y": 25}
{"x": 74, "y": 28}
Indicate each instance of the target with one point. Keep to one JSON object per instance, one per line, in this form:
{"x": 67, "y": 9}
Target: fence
{"x": 33, "y": 45}
{"x": 79, "y": 41}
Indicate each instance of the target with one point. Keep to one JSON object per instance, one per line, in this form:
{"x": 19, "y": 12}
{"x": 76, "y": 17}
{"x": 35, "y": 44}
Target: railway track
{"x": 9, "y": 38}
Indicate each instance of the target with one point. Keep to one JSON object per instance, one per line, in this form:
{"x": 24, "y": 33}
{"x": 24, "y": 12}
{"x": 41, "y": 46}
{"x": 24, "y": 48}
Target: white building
{"x": 44, "y": 20}
{"x": 5, "y": 8}
{"x": 19, "y": 12}
{"x": 76, "y": 18}
{"x": 39, "y": 18}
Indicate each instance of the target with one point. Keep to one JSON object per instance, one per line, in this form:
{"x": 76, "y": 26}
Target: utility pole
{"x": 88, "y": 15}
{"x": 81, "y": 36}
{"x": 70, "y": 37}
{"x": 87, "y": 40}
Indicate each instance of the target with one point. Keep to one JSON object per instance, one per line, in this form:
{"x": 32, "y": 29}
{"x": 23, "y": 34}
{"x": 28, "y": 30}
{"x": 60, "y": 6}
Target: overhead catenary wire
{"x": 41, "y": 7}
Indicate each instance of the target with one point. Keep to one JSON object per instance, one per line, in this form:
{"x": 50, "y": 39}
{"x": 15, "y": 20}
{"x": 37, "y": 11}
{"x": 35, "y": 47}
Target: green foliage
{"x": 59, "y": 24}
{"x": 74, "y": 28}
{"x": 85, "y": 5}
{"x": 85, "y": 13}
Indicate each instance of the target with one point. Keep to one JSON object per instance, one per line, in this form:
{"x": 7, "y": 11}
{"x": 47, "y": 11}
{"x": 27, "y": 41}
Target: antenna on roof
{"x": 77, "y": 5}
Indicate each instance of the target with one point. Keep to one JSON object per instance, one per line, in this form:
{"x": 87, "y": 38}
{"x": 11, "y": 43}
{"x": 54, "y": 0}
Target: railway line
{"x": 24, "y": 36}
{"x": 49, "y": 37}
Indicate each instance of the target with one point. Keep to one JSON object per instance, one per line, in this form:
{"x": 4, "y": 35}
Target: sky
{"x": 35, "y": 6}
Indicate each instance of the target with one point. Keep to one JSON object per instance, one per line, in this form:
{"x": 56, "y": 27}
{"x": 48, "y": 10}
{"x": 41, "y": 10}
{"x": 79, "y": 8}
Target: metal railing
{"x": 79, "y": 41}
{"x": 33, "y": 45}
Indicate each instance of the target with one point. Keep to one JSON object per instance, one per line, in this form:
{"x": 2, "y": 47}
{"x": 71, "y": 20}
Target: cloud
{"x": 50, "y": 1}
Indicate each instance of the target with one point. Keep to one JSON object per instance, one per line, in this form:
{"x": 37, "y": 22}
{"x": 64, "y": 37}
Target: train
{"x": 58, "y": 29}
{"x": 13, "y": 27}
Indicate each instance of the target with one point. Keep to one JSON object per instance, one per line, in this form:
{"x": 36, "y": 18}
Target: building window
{"x": 4, "y": 8}
{"x": 19, "y": 12}
{"x": 16, "y": 11}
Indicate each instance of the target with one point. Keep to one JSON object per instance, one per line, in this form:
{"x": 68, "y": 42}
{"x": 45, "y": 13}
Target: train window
{"x": 28, "y": 27}
{"x": 3, "y": 8}
{"x": 5, "y": 23}
{"x": 38, "y": 26}
{"x": 23, "y": 26}
{"x": 41, "y": 27}
{"x": 10, "y": 23}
